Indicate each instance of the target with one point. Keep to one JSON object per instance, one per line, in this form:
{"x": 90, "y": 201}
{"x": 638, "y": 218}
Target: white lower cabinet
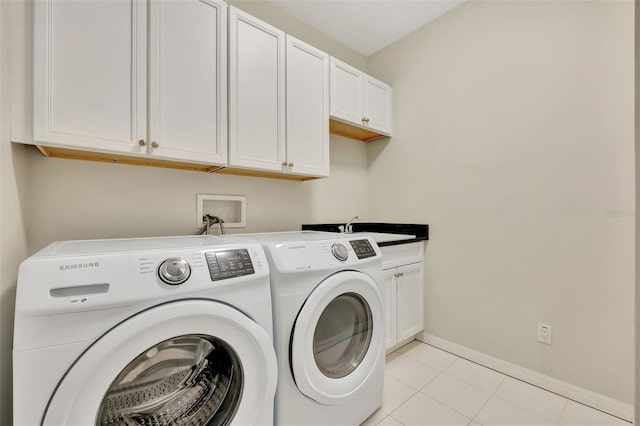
{"x": 403, "y": 300}
{"x": 390, "y": 302}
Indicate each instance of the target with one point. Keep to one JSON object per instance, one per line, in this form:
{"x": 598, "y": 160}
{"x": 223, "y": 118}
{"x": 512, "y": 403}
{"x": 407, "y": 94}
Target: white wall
{"x": 13, "y": 180}
{"x": 514, "y": 141}
{"x": 637, "y": 163}
{"x": 80, "y": 199}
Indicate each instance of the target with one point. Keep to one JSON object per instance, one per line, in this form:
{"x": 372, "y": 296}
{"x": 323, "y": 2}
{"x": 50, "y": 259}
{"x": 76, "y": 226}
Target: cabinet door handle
{"x": 291, "y": 164}
{"x": 142, "y": 142}
{"x": 284, "y": 164}
{"x": 366, "y": 120}
{"x": 154, "y": 144}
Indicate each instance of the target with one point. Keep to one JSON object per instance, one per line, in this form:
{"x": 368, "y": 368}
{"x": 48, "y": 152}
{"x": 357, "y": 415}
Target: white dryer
{"x": 151, "y": 331}
{"x": 328, "y": 326}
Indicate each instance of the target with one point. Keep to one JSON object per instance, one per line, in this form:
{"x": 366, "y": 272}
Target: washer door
{"x": 195, "y": 362}
{"x": 337, "y": 338}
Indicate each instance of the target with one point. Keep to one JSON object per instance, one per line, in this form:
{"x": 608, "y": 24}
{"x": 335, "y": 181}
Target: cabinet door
{"x": 377, "y": 105}
{"x": 346, "y": 93}
{"x": 410, "y": 298}
{"x": 89, "y": 74}
{"x": 187, "y": 80}
{"x": 389, "y": 286}
{"x": 256, "y": 93}
{"x": 307, "y": 109}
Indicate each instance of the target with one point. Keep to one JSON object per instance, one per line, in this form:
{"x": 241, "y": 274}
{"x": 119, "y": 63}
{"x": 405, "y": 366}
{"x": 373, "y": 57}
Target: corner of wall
{"x": 13, "y": 238}
{"x": 637, "y": 242}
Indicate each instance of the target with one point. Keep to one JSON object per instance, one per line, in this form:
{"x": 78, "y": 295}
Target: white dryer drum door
{"x": 189, "y": 362}
{"x": 338, "y": 337}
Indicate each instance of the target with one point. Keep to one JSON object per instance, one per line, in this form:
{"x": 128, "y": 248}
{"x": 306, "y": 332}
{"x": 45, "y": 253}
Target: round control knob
{"x": 339, "y": 252}
{"x": 174, "y": 271}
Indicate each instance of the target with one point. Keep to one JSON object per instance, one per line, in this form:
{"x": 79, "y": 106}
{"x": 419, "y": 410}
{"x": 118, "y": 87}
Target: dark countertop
{"x": 421, "y": 232}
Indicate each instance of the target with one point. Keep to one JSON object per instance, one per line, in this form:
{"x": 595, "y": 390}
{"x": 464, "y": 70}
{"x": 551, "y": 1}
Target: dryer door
{"x": 338, "y": 338}
{"x": 195, "y": 362}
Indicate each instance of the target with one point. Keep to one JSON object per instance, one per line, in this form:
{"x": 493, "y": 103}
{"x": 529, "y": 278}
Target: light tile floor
{"x": 425, "y": 386}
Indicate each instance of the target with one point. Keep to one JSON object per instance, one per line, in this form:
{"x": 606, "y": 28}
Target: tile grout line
{"x": 564, "y": 409}
{"x": 531, "y": 384}
{"x": 403, "y": 402}
{"x": 446, "y": 406}
{"x": 393, "y": 419}
{"x": 473, "y": 419}
{"x": 450, "y": 408}
{"x": 465, "y": 383}
{"x": 529, "y": 410}
{"x": 473, "y": 385}
{"x": 440, "y": 372}
{"x": 444, "y": 372}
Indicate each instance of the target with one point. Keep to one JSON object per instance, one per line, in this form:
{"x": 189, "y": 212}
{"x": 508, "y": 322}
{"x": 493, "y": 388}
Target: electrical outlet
{"x": 544, "y": 333}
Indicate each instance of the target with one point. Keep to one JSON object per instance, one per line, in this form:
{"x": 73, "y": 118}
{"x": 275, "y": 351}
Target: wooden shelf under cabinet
{"x": 353, "y": 132}
{"x": 56, "y": 152}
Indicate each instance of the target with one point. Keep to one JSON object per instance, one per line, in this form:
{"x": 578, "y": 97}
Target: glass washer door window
{"x": 338, "y": 338}
{"x": 181, "y": 331}
{"x": 186, "y": 380}
{"x": 343, "y": 335}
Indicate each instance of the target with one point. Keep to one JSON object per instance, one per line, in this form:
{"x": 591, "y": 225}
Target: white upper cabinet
{"x": 360, "y": 100}
{"x": 89, "y": 74}
{"x": 93, "y": 61}
{"x": 377, "y": 105}
{"x": 256, "y": 93}
{"x": 146, "y": 82}
{"x": 307, "y": 109}
{"x": 278, "y": 100}
{"x": 187, "y": 80}
{"x": 347, "y": 99}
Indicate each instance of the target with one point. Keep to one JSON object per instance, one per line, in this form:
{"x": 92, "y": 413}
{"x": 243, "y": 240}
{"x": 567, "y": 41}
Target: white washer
{"x": 148, "y": 331}
{"x": 328, "y": 326}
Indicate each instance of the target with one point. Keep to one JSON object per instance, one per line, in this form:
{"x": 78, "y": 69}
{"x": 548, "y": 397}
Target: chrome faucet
{"x": 348, "y": 227}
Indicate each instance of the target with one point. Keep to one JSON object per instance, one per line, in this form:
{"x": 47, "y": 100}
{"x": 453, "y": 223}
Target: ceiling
{"x": 366, "y": 26}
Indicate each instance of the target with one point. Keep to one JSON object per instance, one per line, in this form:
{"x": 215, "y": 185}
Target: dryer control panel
{"x": 362, "y": 248}
{"x": 297, "y": 256}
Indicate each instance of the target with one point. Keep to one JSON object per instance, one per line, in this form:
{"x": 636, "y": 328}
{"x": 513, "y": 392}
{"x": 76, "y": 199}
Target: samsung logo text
{"x": 75, "y": 266}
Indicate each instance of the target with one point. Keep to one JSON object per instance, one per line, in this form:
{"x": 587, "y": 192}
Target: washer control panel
{"x": 362, "y": 248}
{"x": 225, "y": 264}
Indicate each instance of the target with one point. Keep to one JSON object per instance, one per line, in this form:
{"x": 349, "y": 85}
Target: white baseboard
{"x": 578, "y": 394}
